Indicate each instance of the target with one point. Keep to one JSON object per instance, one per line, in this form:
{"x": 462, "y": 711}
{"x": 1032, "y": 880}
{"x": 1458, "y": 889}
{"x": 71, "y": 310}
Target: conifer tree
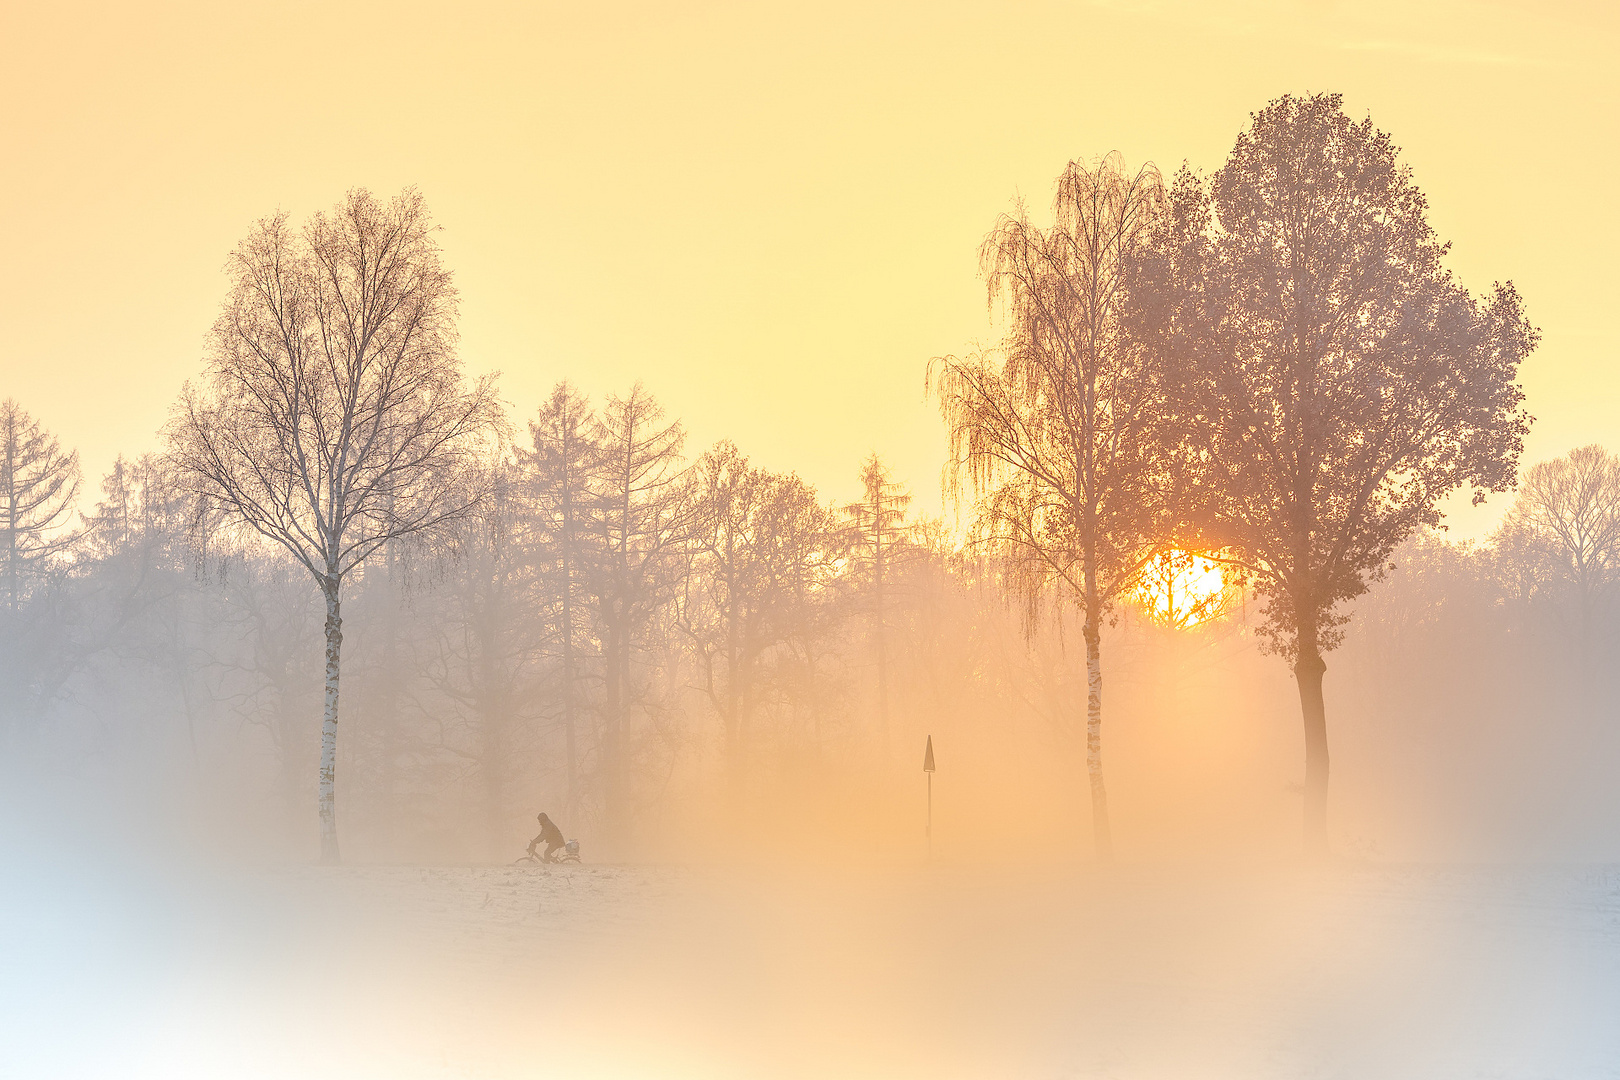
{"x": 879, "y": 520}
{"x": 38, "y": 485}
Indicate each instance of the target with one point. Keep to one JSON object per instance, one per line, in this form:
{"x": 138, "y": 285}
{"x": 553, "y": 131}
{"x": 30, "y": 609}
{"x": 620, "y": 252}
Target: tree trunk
{"x": 882, "y": 637}
{"x": 494, "y": 798}
{"x": 11, "y": 532}
{"x": 1308, "y": 670}
{"x": 612, "y": 811}
{"x": 386, "y": 696}
{"x": 491, "y": 758}
{"x": 734, "y": 734}
{"x": 571, "y": 746}
{"x": 1101, "y": 835}
{"x": 570, "y": 736}
{"x": 328, "y": 773}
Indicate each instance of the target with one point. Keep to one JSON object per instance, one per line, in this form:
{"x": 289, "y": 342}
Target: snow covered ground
{"x": 942, "y": 971}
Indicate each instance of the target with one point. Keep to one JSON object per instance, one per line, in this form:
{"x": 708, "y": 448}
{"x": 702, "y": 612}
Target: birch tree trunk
{"x": 1101, "y": 835}
{"x": 328, "y": 774}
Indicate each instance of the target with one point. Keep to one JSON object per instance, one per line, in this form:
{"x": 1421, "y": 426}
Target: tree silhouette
{"x": 333, "y": 416}
{"x": 38, "y": 485}
{"x": 641, "y": 521}
{"x": 1174, "y": 590}
{"x": 879, "y": 520}
{"x": 1332, "y": 382}
{"x": 1052, "y": 432}
{"x": 564, "y": 469}
{"x": 485, "y": 647}
{"x": 761, "y": 552}
{"x": 1566, "y": 518}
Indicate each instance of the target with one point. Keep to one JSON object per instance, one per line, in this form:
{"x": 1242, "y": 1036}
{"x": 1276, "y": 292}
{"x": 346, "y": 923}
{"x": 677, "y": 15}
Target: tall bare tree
{"x": 879, "y": 520}
{"x": 1332, "y": 381}
{"x": 1051, "y": 431}
{"x": 641, "y": 521}
{"x": 333, "y": 415}
{"x": 762, "y": 550}
{"x": 38, "y": 486}
{"x": 564, "y": 469}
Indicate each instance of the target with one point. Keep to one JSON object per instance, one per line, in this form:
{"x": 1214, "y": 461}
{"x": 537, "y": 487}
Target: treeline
{"x": 778, "y": 660}
{"x": 1221, "y": 411}
{"x": 571, "y": 637}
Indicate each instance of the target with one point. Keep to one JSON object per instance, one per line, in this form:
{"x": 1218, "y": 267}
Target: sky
{"x": 769, "y": 214}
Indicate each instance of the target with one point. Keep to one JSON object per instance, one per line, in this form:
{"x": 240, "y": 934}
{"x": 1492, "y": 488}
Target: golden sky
{"x": 768, "y": 213}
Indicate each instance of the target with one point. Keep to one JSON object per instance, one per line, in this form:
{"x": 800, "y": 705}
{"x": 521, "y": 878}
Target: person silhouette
{"x": 550, "y": 835}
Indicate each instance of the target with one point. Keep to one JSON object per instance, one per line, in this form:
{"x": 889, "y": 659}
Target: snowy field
{"x": 943, "y": 971}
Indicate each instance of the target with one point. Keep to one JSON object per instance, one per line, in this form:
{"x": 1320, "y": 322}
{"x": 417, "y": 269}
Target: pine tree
{"x": 564, "y": 474}
{"x": 639, "y": 517}
{"x": 879, "y": 520}
{"x": 38, "y": 486}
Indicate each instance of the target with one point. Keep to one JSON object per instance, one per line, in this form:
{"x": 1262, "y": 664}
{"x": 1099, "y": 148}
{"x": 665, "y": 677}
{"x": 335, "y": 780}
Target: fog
{"x": 163, "y": 919}
{"x": 1463, "y": 730}
{"x": 380, "y": 726}
{"x": 955, "y": 971}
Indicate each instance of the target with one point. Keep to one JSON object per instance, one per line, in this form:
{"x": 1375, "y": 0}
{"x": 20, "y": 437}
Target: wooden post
{"x": 928, "y": 769}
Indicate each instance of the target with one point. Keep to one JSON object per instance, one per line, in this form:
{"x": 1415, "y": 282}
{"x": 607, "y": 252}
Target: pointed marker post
{"x": 928, "y": 768}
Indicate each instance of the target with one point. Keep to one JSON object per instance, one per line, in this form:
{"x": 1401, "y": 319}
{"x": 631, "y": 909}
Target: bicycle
{"x": 568, "y": 853}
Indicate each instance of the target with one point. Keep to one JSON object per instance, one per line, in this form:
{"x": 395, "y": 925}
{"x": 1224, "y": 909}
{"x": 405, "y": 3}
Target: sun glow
{"x": 1182, "y": 590}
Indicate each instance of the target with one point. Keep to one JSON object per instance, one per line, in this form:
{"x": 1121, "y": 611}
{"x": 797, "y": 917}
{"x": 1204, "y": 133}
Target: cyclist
{"x": 550, "y": 835}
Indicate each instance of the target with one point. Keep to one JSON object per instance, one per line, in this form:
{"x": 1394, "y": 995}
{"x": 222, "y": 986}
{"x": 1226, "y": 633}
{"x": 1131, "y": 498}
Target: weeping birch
{"x": 333, "y": 415}
{"x": 1049, "y": 430}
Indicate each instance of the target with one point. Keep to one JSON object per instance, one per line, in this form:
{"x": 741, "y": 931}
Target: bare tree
{"x": 1332, "y": 382}
{"x": 1051, "y": 432}
{"x": 762, "y": 551}
{"x": 879, "y": 520}
{"x": 640, "y": 518}
{"x": 564, "y": 472}
{"x": 333, "y": 415}
{"x": 485, "y": 647}
{"x": 1567, "y": 517}
{"x": 38, "y": 486}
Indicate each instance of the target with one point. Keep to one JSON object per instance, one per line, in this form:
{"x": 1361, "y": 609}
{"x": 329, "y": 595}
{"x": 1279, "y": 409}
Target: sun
{"x": 1182, "y": 590}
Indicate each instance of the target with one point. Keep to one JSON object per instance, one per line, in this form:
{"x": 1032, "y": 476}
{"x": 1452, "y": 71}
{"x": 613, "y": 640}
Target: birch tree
{"x": 1051, "y": 431}
{"x": 38, "y": 486}
{"x": 333, "y": 415}
{"x": 1331, "y": 381}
